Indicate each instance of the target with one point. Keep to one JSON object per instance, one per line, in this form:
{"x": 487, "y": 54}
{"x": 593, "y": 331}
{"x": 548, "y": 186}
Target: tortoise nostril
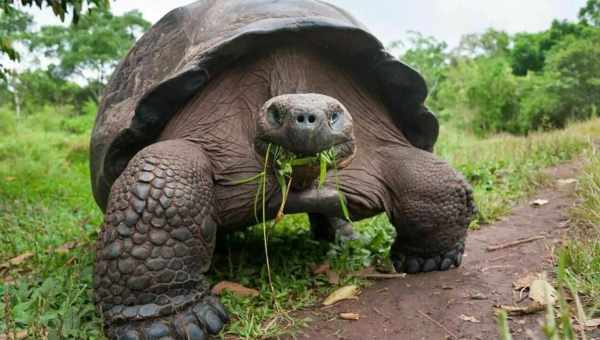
{"x": 311, "y": 118}
{"x": 300, "y": 119}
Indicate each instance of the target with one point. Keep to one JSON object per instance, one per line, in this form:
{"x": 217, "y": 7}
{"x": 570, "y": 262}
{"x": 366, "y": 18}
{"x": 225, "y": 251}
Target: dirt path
{"x": 428, "y": 306}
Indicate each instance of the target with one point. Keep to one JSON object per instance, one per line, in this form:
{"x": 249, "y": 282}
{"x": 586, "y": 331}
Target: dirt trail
{"x": 428, "y": 306}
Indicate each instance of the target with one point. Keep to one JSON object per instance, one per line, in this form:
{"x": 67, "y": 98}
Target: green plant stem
{"x": 264, "y": 225}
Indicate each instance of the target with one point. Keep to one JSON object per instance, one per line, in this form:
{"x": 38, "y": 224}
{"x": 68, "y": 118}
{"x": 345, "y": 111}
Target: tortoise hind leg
{"x": 430, "y": 205}
{"x": 155, "y": 246}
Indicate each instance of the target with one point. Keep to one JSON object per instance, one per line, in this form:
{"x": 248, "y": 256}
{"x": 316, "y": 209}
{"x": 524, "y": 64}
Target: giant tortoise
{"x": 193, "y": 110}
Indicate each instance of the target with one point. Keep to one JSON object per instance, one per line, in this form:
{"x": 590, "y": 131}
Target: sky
{"x": 389, "y": 20}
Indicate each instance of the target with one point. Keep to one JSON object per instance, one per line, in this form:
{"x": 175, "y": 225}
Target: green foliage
{"x": 494, "y": 82}
{"x": 590, "y": 13}
{"x": 575, "y": 66}
{"x": 492, "y": 43}
{"x": 13, "y": 23}
{"x": 59, "y": 7}
{"x": 480, "y": 94}
{"x": 38, "y": 88}
{"x": 428, "y": 56}
{"x": 93, "y": 47}
{"x": 580, "y": 257}
{"x": 531, "y": 49}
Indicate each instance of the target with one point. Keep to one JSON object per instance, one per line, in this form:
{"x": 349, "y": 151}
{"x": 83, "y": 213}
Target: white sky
{"x": 389, "y": 20}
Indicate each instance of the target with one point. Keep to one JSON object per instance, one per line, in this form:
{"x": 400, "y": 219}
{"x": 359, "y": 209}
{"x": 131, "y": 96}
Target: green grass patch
{"x": 504, "y": 169}
{"x": 46, "y": 202}
{"x": 580, "y": 257}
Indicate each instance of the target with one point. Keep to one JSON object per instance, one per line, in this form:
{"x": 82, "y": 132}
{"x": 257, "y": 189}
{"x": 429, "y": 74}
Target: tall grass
{"x": 581, "y": 255}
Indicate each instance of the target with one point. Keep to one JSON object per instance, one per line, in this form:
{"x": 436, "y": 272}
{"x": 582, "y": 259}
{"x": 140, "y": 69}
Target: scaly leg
{"x": 155, "y": 246}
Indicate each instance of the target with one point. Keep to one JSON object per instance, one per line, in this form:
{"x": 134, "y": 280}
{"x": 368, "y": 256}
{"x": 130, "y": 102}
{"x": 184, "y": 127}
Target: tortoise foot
{"x": 413, "y": 263}
{"x": 196, "y": 322}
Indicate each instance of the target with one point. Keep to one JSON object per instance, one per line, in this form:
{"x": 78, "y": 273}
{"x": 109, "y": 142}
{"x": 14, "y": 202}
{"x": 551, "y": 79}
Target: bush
{"x": 486, "y": 88}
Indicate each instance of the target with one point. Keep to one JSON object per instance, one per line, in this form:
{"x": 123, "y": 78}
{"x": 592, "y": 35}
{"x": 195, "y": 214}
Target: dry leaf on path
{"x": 525, "y": 281}
{"x": 566, "y": 181}
{"x": 15, "y": 261}
{"x": 542, "y": 292}
{"x": 531, "y": 308}
{"x": 350, "y": 316}
{"x": 469, "y": 318}
{"x": 371, "y": 273}
{"x": 592, "y": 323}
{"x": 234, "y": 288}
{"x": 344, "y": 293}
{"x": 539, "y": 202}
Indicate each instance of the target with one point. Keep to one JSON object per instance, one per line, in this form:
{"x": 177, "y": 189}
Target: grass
{"x": 45, "y": 202}
{"x": 580, "y": 257}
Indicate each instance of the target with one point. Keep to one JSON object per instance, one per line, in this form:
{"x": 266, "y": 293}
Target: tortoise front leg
{"x": 431, "y": 206}
{"x": 155, "y": 246}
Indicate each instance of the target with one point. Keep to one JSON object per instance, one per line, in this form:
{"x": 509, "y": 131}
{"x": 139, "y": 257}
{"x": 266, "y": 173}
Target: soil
{"x": 434, "y": 305}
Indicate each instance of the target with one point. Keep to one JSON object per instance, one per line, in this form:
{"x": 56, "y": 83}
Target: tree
{"x": 59, "y": 7}
{"x": 17, "y": 21}
{"x": 90, "y": 49}
{"x": 428, "y": 56}
{"x": 590, "y": 13}
{"x": 530, "y": 49}
{"x": 491, "y": 43}
{"x": 12, "y": 25}
{"x": 575, "y": 64}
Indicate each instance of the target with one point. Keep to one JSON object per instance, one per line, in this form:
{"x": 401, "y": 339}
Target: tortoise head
{"x": 304, "y": 126}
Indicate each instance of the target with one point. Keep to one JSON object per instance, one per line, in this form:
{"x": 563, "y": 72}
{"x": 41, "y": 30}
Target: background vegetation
{"x": 495, "y": 93}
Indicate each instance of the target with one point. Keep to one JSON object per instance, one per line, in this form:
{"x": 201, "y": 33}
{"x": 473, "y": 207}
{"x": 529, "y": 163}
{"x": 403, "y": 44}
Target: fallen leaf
{"x": 525, "y": 281}
{"x": 344, "y": 293}
{"x": 234, "y": 288}
{"x": 469, "y": 318}
{"x": 350, "y": 316}
{"x": 478, "y": 296}
{"x": 542, "y": 292}
{"x": 566, "y": 181}
{"x": 322, "y": 268}
{"x": 592, "y": 323}
{"x": 15, "y": 261}
{"x": 65, "y": 248}
{"x": 531, "y": 308}
{"x": 333, "y": 277}
{"x": 539, "y": 202}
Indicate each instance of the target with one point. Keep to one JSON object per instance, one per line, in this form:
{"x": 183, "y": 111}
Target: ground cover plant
{"x": 48, "y": 225}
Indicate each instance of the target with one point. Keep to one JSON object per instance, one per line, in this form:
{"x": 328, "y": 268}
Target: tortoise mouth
{"x": 303, "y": 169}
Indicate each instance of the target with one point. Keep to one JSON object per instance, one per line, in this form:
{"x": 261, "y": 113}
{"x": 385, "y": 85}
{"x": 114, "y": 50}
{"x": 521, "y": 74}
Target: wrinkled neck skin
{"x": 222, "y": 119}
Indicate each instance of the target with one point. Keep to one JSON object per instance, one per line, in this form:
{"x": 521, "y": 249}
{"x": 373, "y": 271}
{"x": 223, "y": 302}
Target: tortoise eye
{"x": 274, "y": 115}
{"x": 334, "y": 117}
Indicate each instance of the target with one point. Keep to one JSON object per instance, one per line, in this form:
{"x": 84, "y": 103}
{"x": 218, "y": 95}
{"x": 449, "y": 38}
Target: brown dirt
{"x": 429, "y": 306}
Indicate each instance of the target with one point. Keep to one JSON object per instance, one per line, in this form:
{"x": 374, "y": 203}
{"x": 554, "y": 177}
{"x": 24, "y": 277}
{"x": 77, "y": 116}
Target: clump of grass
{"x": 581, "y": 255}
